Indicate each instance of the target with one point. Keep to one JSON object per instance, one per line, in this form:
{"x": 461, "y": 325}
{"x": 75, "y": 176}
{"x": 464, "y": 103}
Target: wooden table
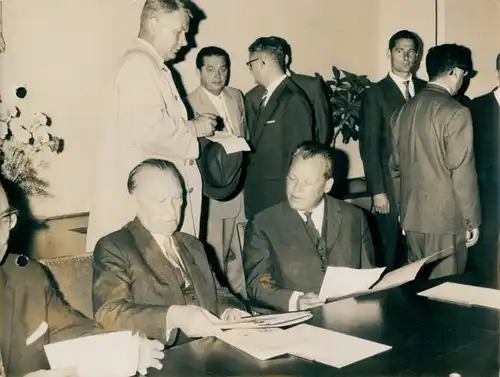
{"x": 428, "y": 338}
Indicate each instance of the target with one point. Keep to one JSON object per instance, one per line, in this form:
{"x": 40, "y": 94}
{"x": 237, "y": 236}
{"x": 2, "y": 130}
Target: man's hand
{"x": 471, "y": 237}
{"x": 234, "y": 314}
{"x": 205, "y": 124}
{"x": 150, "y": 354}
{"x": 309, "y": 301}
{"x": 63, "y": 372}
{"x": 381, "y": 203}
{"x": 194, "y": 321}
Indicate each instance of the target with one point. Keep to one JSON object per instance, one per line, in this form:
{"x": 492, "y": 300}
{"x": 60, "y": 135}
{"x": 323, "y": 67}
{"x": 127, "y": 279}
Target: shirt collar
{"x": 399, "y": 80}
{"x": 213, "y": 96}
{"x": 496, "y": 93}
{"x": 271, "y": 87}
{"x": 319, "y": 208}
{"x": 149, "y": 49}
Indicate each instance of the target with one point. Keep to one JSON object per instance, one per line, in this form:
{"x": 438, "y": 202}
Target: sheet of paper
{"x": 231, "y": 143}
{"x": 343, "y": 281}
{"x": 261, "y": 344}
{"x": 267, "y": 321}
{"x": 407, "y": 273}
{"x": 464, "y": 294}
{"x": 330, "y": 347}
{"x": 105, "y": 355}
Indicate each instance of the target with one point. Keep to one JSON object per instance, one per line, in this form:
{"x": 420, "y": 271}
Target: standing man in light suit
{"x": 214, "y": 96}
{"x": 146, "y": 118}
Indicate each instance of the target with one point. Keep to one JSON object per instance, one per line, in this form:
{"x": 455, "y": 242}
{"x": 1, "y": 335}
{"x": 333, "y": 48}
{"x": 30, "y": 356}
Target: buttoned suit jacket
{"x": 280, "y": 257}
{"x": 434, "y": 161}
{"x": 134, "y": 285}
{"x": 313, "y": 88}
{"x": 274, "y": 134}
{"x": 143, "y": 118}
{"x": 201, "y": 103}
{"x": 28, "y": 300}
{"x": 378, "y": 104}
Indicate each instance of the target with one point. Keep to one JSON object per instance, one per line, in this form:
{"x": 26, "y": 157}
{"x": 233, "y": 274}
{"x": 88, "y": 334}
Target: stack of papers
{"x": 267, "y": 321}
{"x": 342, "y": 282}
{"x": 305, "y": 341}
{"x": 105, "y": 355}
{"x": 231, "y": 143}
{"x": 464, "y": 295}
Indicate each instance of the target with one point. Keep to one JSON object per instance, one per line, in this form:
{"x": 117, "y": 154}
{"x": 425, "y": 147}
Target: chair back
{"x": 73, "y": 277}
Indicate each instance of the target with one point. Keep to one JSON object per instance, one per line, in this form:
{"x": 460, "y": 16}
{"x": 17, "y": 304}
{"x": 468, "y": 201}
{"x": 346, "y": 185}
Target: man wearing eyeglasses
{"x": 33, "y": 315}
{"x": 282, "y": 121}
{"x": 434, "y": 161}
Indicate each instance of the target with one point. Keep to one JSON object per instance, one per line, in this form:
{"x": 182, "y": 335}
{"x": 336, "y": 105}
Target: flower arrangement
{"x": 21, "y": 140}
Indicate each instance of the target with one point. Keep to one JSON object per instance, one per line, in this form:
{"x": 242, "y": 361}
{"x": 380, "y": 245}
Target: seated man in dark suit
{"x": 32, "y": 314}
{"x": 289, "y": 246}
{"x": 313, "y": 88}
{"x": 149, "y": 277}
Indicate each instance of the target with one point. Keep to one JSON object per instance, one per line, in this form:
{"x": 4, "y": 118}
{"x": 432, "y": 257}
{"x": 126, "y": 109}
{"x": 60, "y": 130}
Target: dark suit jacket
{"x": 28, "y": 298}
{"x": 313, "y": 88}
{"x": 279, "y": 256}
{"x": 433, "y": 155}
{"x": 133, "y": 286}
{"x": 379, "y": 102}
{"x": 486, "y": 120}
{"x": 275, "y": 132}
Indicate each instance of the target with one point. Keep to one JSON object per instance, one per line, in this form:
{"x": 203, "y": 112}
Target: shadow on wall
{"x": 22, "y": 236}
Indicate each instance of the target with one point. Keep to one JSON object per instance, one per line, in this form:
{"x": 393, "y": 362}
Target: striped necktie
{"x": 263, "y": 100}
{"x": 312, "y": 228}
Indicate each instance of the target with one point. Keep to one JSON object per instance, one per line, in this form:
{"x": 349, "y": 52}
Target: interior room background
{"x": 62, "y": 51}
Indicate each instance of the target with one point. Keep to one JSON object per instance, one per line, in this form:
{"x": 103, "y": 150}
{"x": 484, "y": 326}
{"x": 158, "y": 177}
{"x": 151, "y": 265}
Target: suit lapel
{"x": 333, "y": 217}
{"x": 418, "y": 84}
{"x": 152, "y": 253}
{"x": 232, "y": 107}
{"x": 266, "y": 112}
{"x": 296, "y": 230}
{"x": 392, "y": 92}
{"x": 205, "y": 104}
{"x": 7, "y": 305}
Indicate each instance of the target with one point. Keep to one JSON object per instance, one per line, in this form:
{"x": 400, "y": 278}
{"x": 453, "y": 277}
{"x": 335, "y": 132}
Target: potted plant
{"x": 345, "y": 91}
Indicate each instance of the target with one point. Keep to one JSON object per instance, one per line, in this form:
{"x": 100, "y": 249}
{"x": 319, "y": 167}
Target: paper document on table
{"x": 267, "y": 321}
{"x": 231, "y": 143}
{"x": 104, "y": 355}
{"x": 330, "y": 347}
{"x": 262, "y": 344}
{"x": 464, "y": 294}
{"x": 343, "y": 281}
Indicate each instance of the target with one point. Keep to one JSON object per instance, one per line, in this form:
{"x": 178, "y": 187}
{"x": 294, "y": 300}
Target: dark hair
{"x": 151, "y": 7}
{"x": 443, "y": 58}
{"x": 404, "y": 34}
{"x": 272, "y": 46}
{"x": 154, "y": 163}
{"x": 311, "y": 149}
{"x": 498, "y": 62}
{"x": 211, "y": 51}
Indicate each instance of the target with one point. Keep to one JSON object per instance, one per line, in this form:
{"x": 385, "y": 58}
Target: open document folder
{"x": 267, "y": 321}
{"x": 341, "y": 282}
{"x": 104, "y": 355}
{"x": 231, "y": 143}
{"x": 464, "y": 295}
{"x": 305, "y": 341}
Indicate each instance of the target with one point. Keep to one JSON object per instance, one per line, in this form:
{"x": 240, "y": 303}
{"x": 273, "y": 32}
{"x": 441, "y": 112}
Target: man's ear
{"x": 329, "y": 185}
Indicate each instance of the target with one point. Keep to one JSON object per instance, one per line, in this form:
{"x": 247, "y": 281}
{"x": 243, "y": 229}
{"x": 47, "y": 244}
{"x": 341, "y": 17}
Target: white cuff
{"x": 294, "y": 301}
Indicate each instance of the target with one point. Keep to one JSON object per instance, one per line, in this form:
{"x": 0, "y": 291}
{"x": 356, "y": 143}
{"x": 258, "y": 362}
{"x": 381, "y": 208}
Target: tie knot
{"x": 308, "y": 215}
{"x": 406, "y": 83}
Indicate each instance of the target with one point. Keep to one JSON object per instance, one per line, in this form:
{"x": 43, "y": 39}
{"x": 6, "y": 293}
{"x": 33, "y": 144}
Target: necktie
{"x": 172, "y": 256}
{"x": 407, "y": 90}
{"x": 310, "y": 225}
{"x": 263, "y": 100}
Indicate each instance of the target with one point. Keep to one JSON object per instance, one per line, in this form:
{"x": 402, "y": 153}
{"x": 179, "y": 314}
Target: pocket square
{"x": 270, "y": 121}
{"x": 42, "y": 329}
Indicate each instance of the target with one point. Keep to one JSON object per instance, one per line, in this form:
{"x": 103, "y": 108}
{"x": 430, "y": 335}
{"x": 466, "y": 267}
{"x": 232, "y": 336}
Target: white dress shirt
{"x": 317, "y": 217}
{"x": 400, "y": 83}
{"x": 220, "y": 105}
{"x": 496, "y": 93}
{"x": 272, "y": 87}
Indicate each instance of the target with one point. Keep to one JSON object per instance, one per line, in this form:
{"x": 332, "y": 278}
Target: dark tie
{"x": 263, "y": 100}
{"x": 407, "y": 90}
{"x": 311, "y": 227}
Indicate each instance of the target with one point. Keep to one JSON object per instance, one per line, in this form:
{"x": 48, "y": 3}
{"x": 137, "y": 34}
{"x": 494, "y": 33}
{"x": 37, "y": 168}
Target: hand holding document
{"x": 104, "y": 355}
{"x": 267, "y": 321}
{"x": 464, "y": 295}
{"x": 352, "y": 282}
{"x": 231, "y": 143}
